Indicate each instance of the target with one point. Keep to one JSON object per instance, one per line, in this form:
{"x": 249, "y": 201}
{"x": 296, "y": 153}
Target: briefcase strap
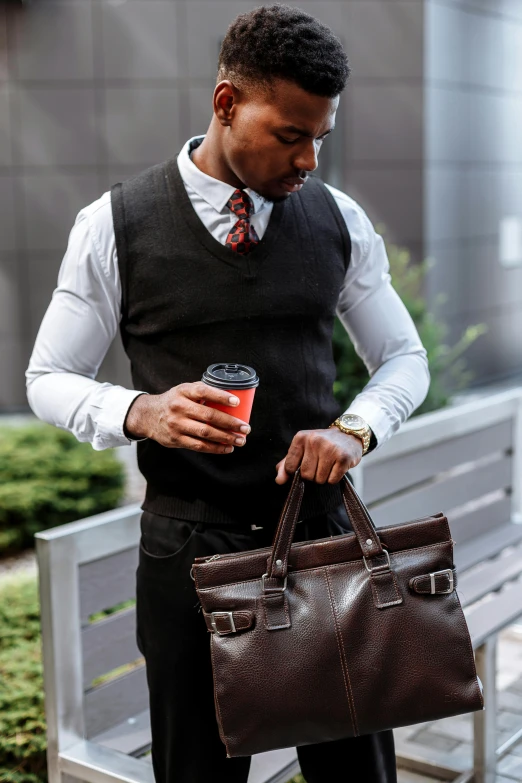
{"x": 362, "y": 524}
{"x": 436, "y": 583}
{"x": 224, "y": 623}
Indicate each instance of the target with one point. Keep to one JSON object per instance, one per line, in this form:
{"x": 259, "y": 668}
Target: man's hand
{"x": 324, "y": 456}
{"x": 178, "y": 420}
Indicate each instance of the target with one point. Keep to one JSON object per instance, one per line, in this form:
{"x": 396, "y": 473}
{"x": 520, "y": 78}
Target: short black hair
{"x": 278, "y": 41}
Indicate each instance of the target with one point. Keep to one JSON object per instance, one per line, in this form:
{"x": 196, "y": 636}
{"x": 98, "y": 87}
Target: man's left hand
{"x": 324, "y": 456}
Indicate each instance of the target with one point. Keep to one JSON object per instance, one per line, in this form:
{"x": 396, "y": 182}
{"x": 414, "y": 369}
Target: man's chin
{"x": 275, "y": 198}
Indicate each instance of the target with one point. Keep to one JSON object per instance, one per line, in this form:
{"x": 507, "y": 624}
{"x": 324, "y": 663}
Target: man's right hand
{"x": 178, "y": 419}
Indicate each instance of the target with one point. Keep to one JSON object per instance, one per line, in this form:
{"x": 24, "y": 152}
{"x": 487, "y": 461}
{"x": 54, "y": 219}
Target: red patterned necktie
{"x": 243, "y": 238}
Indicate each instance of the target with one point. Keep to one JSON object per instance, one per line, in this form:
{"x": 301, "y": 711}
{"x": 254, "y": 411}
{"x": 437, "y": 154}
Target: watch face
{"x": 353, "y": 421}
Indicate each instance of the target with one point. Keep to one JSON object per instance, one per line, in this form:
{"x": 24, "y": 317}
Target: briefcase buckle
{"x": 273, "y": 589}
{"x": 378, "y": 568}
{"x": 446, "y": 572}
{"x": 213, "y": 616}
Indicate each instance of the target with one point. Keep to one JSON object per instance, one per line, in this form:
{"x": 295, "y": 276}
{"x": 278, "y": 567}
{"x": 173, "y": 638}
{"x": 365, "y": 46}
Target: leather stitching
{"x": 242, "y": 621}
{"x": 268, "y": 627}
{"x": 300, "y": 493}
{"x": 265, "y": 615}
{"x": 421, "y": 584}
{"x": 342, "y": 655}
{"x": 445, "y": 518}
{"x": 298, "y": 496}
{"x": 350, "y": 500}
{"x": 376, "y": 596}
{"x": 220, "y": 722}
{"x": 350, "y": 513}
{"x": 472, "y": 656}
{"x": 346, "y": 563}
{"x": 248, "y": 558}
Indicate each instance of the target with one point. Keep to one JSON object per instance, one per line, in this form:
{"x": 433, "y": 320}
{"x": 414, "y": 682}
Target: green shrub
{"x": 447, "y": 365}
{"x": 23, "y": 740}
{"x": 22, "y": 721}
{"x": 48, "y": 478}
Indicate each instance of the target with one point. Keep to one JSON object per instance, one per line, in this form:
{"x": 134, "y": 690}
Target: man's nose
{"x": 306, "y": 160}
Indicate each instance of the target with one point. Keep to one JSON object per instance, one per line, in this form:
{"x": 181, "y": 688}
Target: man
{"x": 231, "y": 252}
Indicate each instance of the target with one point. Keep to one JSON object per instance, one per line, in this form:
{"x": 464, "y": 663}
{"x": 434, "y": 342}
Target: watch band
{"x": 363, "y": 435}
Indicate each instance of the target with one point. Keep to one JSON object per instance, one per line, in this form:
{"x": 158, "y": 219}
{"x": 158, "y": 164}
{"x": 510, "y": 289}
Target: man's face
{"x": 274, "y": 136}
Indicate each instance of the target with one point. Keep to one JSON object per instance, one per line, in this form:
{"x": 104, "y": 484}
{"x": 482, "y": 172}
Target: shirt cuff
{"x": 111, "y": 418}
{"x": 375, "y": 417}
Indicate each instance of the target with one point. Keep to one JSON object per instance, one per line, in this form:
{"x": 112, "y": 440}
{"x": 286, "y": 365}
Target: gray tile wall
{"x": 473, "y": 170}
{"x": 383, "y": 106}
{"x": 92, "y": 91}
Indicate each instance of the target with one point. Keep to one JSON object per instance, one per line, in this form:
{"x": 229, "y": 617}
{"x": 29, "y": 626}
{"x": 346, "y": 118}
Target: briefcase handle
{"x": 362, "y": 524}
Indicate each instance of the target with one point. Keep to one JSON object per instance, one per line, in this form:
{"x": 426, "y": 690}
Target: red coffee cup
{"x": 238, "y": 379}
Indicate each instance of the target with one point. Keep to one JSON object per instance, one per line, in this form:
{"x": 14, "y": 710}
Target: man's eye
{"x": 294, "y": 141}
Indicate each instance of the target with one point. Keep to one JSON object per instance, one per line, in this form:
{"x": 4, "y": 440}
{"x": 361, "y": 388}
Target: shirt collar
{"x": 213, "y": 191}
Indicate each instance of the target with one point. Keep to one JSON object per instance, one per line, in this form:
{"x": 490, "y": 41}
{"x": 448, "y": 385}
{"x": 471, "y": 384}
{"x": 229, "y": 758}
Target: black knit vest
{"x": 188, "y": 301}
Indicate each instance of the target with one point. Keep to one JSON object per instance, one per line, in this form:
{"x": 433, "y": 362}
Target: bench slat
{"x": 394, "y": 475}
{"x": 112, "y": 703}
{"x": 107, "y": 582}
{"x": 109, "y": 643}
{"x": 450, "y": 492}
{"x": 487, "y": 545}
{"x": 471, "y": 524}
{"x": 489, "y": 576}
{"x": 490, "y": 617}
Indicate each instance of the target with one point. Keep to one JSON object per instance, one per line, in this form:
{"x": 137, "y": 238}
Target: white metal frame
{"x": 62, "y": 550}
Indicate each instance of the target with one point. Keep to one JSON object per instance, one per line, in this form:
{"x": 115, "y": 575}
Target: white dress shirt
{"x": 83, "y": 317}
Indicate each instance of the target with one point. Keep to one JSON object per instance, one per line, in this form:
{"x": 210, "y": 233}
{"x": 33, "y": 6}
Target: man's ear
{"x": 226, "y": 96}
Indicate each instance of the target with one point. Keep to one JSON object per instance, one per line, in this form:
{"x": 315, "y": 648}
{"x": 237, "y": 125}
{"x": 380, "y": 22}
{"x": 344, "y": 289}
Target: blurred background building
{"x": 428, "y": 140}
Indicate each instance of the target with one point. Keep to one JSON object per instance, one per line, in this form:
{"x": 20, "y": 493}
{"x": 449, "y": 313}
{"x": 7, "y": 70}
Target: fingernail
{"x": 233, "y": 400}
{"x": 245, "y": 428}
{"x": 229, "y": 449}
{"x": 239, "y": 441}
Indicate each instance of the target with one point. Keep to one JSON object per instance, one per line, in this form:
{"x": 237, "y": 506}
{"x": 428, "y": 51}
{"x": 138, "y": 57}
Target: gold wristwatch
{"x": 352, "y": 424}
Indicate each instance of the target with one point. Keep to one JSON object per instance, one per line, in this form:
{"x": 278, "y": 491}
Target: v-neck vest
{"x": 188, "y": 301}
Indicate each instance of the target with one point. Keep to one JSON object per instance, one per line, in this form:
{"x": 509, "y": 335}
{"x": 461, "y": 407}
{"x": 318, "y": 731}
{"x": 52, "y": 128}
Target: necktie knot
{"x": 242, "y": 237}
{"x": 240, "y": 203}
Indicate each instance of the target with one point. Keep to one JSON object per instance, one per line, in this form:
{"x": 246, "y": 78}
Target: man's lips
{"x": 292, "y": 184}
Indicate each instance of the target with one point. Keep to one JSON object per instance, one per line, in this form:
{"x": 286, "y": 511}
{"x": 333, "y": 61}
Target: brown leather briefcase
{"x": 337, "y": 637}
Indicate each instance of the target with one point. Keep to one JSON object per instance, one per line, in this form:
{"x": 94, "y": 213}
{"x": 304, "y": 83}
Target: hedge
{"x": 22, "y": 721}
{"x": 48, "y": 478}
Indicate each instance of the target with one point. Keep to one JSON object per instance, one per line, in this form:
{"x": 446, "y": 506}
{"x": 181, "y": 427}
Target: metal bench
{"x": 99, "y": 732}
{"x": 465, "y": 458}
{"x": 466, "y": 461}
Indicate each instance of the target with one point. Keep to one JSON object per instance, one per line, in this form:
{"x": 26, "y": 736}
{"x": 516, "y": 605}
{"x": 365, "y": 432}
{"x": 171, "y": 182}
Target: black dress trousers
{"x": 172, "y": 636}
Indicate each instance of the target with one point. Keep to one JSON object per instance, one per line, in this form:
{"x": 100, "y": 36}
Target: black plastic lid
{"x": 227, "y": 375}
